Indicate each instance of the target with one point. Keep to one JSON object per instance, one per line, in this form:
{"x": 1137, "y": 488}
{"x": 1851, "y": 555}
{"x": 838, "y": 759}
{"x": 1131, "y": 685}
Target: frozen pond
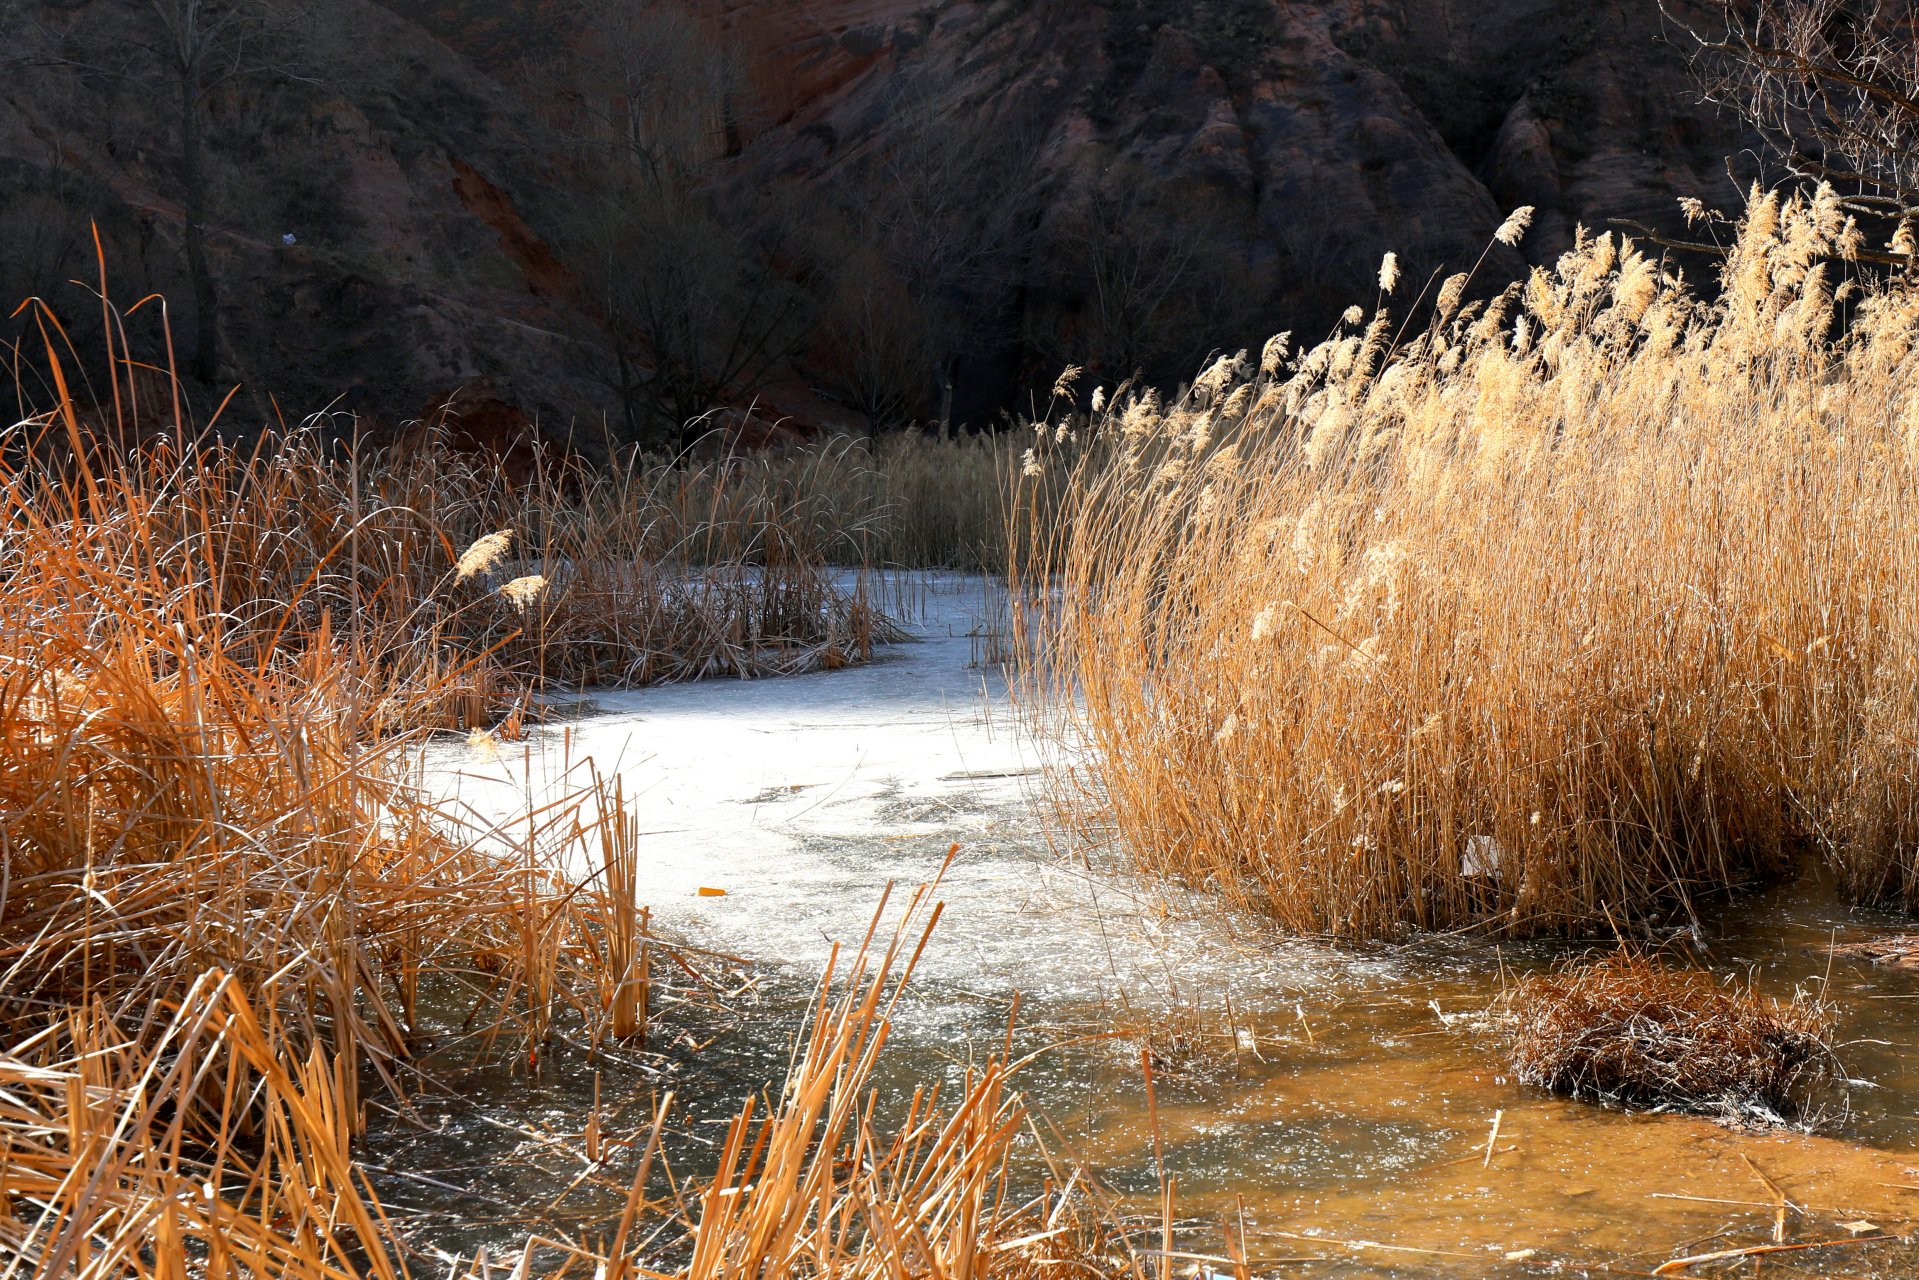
{"x": 1344, "y": 1105}
{"x": 803, "y": 796}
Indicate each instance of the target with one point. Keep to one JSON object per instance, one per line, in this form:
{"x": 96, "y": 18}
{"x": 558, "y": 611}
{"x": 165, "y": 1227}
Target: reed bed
{"x": 212, "y": 662}
{"x": 1633, "y": 1031}
{"x": 198, "y": 770}
{"x": 108, "y": 1178}
{"x": 1591, "y": 597}
{"x": 229, "y": 926}
{"x": 905, "y": 500}
{"x": 219, "y": 897}
{"x": 812, "y": 1183}
{"x": 449, "y": 593}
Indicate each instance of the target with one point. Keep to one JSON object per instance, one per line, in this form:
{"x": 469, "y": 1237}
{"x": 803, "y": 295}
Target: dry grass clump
{"x": 108, "y": 1177}
{"x": 903, "y": 500}
{"x": 1633, "y": 1031}
{"x": 208, "y": 652}
{"x": 227, "y": 924}
{"x": 1893, "y": 950}
{"x": 226, "y": 920}
{"x": 1592, "y": 596}
{"x": 171, "y": 811}
{"x": 1178, "y": 1040}
{"x": 811, "y": 1185}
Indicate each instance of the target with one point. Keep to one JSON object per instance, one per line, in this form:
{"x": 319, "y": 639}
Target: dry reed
{"x": 1633, "y": 1031}
{"x": 206, "y": 657}
{"x": 1590, "y": 597}
{"x": 227, "y": 923}
{"x": 208, "y": 652}
{"x": 109, "y": 1177}
{"x": 224, "y": 915}
{"x": 814, "y": 1188}
{"x": 903, "y": 500}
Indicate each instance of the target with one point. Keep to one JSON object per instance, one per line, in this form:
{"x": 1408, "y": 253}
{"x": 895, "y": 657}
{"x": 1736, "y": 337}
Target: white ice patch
{"x": 803, "y": 796}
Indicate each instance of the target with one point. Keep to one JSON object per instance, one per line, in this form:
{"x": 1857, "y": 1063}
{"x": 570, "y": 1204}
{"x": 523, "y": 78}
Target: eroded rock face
{"x": 366, "y": 214}
{"x": 1297, "y": 141}
{"x": 1272, "y": 149}
{"x": 1342, "y": 128}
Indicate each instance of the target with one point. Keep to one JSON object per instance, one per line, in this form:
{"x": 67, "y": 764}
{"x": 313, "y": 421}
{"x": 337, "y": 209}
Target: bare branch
{"x": 1664, "y": 241}
{"x": 1832, "y": 86}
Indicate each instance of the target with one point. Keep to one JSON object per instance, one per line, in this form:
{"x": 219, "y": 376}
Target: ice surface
{"x": 802, "y": 797}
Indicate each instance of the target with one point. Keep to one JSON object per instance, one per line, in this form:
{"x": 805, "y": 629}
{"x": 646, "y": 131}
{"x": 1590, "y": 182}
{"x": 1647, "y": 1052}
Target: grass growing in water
{"x": 1629, "y": 1029}
{"x": 1592, "y": 597}
{"x": 212, "y": 657}
{"x": 227, "y": 923}
{"x": 119, "y": 1179}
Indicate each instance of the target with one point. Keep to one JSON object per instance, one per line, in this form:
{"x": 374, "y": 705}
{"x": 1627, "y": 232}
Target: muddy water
{"x": 1342, "y": 1109}
{"x": 1375, "y": 1127}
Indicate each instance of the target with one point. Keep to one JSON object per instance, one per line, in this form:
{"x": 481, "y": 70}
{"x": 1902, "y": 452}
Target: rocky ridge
{"x": 386, "y": 232}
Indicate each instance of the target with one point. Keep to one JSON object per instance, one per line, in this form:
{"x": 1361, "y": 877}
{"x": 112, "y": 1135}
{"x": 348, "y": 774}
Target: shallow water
{"x": 1348, "y": 1125}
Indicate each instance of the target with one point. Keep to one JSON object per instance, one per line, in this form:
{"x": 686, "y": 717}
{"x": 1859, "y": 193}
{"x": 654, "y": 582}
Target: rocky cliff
{"x": 389, "y": 226}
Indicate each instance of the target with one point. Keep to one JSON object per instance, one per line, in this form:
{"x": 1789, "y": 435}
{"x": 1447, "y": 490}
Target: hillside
{"x": 985, "y": 191}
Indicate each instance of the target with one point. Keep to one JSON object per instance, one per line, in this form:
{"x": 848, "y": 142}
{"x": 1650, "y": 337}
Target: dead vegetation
{"x": 201, "y": 1143}
{"x": 1587, "y": 597}
{"x": 809, "y": 1186}
{"x": 906, "y": 499}
{"x": 1633, "y": 1031}
{"x": 212, "y": 661}
{"x": 1893, "y": 950}
{"x": 229, "y": 926}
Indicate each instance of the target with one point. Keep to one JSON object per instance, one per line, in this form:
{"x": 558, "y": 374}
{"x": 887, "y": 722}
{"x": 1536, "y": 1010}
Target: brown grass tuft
{"x": 115, "y": 1180}
{"x": 1633, "y": 1031}
{"x": 227, "y": 921}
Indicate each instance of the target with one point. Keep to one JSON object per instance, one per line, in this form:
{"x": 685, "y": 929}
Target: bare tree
{"x": 42, "y": 234}
{"x": 883, "y": 344}
{"x": 942, "y": 224}
{"x": 698, "y": 299}
{"x": 185, "y": 54}
{"x": 695, "y": 311}
{"x": 1832, "y": 86}
{"x": 655, "y": 88}
{"x": 1152, "y": 283}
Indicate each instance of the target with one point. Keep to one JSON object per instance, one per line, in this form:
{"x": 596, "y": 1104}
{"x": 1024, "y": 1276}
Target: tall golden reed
{"x": 1592, "y": 598}
{"x": 227, "y": 924}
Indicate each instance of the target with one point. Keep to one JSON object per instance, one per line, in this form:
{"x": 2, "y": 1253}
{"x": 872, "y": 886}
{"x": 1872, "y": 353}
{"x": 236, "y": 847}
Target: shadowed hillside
{"x": 920, "y": 211}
